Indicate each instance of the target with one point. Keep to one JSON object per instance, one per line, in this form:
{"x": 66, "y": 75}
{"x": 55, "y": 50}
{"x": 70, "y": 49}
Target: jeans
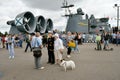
{"x": 28, "y": 45}
{"x": 11, "y": 50}
{"x": 99, "y": 45}
{"x": 76, "y": 48}
{"x": 117, "y": 41}
{"x": 7, "y": 46}
{"x": 37, "y": 62}
{"x": 20, "y": 43}
{"x": 106, "y": 42}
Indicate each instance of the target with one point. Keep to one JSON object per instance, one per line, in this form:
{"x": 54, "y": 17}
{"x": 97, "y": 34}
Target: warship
{"x": 76, "y": 23}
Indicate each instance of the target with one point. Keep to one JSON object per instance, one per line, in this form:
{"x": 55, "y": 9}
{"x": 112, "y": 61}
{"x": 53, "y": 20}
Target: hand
{"x": 61, "y": 51}
{"x": 41, "y": 46}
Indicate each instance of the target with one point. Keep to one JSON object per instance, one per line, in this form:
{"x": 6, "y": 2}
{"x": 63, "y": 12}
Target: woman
{"x": 58, "y": 46}
{"x": 10, "y": 42}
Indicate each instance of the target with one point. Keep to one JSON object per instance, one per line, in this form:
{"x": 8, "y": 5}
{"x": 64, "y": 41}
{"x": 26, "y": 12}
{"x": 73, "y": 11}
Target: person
{"x": 44, "y": 40}
{"x": 79, "y": 38}
{"x": 0, "y": 42}
{"x": 113, "y": 37}
{"x": 50, "y": 47}
{"x": 58, "y": 47}
{"x": 83, "y": 37}
{"x": 37, "y": 53}
{"x": 20, "y": 40}
{"x": 118, "y": 38}
{"x": 6, "y": 37}
{"x": 10, "y": 41}
{"x": 106, "y": 41}
{"x": 16, "y": 41}
{"x": 28, "y": 43}
{"x": 69, "y": 38}
{"x": 3, "y": 41}
{"x": 98, "y": 41}
{"x": 76, "y": 43}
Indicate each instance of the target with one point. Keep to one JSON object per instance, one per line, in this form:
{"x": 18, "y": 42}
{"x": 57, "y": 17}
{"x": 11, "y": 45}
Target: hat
{"x": 50, "y": 32}
{"x": 56, "y": 35}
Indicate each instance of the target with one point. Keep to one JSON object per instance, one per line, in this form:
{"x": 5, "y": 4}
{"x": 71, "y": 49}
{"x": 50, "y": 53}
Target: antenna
{"x": 67, "y": 8}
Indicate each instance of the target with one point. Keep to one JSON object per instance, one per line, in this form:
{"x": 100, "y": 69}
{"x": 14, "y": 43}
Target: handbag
{"x": 37, "y": 52}
{"x": 71, "y": 44}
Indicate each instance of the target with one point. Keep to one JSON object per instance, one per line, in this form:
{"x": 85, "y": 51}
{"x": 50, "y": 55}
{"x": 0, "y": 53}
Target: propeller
{"x": 26, "y": 25}
{"x": 48, "y": 23}
{"x": 39, "y": 26}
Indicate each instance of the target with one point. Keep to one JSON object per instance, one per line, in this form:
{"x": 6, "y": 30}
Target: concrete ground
{"x": 90, "y": 65}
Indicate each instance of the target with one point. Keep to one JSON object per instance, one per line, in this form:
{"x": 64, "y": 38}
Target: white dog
{"x": 67, "y": 64}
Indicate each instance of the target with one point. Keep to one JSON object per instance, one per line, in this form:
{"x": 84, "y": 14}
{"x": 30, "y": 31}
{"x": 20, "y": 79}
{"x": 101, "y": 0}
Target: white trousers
{"x": 58, "y": 55}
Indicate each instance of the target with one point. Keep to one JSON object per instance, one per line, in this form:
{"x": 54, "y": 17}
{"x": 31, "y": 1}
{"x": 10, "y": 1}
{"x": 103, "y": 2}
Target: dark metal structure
{"x": 76, "y": 23}
{"x": 40, "y": 24}
{"x": 26, "y": 23}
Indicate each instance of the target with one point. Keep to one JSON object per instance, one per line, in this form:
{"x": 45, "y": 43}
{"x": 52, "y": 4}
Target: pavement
{"x": 90, "y": 65}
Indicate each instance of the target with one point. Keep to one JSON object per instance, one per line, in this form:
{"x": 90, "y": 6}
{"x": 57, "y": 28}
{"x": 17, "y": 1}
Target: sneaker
{"x": 42, "y": 68}
{"x": 13, "y": 57}
{"x": 68, "y": 56}
{"x": 10, "y": 57}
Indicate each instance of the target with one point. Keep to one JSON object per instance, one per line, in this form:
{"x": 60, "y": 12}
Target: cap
{"x": 56, "y": 35}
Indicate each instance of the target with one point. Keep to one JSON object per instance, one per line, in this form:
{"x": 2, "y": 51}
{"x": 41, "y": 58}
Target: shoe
{"x": 52, "y": 63}
{"x": 13, "y": 57}
{"x": 42, "y": 68}
{"x": 68, "y": 56}
{"x": 10, "y": 57}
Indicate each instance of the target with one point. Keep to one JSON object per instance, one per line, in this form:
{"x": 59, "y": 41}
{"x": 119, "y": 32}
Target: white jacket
{"x": 58, "y": 44}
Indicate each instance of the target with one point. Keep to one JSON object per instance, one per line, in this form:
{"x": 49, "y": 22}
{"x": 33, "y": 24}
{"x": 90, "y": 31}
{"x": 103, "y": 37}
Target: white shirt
{"x": 113, "y": 35}
{"x": 83, "y": 36}
{"x": 58, "y": 44}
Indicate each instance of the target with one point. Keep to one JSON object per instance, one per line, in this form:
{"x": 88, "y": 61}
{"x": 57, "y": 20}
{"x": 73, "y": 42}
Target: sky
{"x": 9, "y": 9}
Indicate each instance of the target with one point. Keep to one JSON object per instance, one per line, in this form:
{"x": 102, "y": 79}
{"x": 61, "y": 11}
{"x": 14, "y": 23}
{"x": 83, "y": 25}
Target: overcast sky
{"x": 9, "y": 9}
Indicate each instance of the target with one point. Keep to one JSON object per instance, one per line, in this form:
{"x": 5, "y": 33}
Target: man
{"x": 98, "y": 40}
{"x": 20, "y": 40}
{"x": 37, "y": 53}
{"x": 106, "y": 41}
{"x": 50, "y": 47}
{"x": 28, "y": 42}
{"x": 118, "y": 38}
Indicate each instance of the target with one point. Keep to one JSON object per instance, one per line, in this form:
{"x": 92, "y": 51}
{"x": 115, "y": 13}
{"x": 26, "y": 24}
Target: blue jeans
{"x": 37, "y": 62}
{"x": 106, "y": 42}
{"x": 11, "y": 49}
{"x": 76, "y": 47}
{"x": 117, "y": 41}
{"x": 20, "y": 43}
